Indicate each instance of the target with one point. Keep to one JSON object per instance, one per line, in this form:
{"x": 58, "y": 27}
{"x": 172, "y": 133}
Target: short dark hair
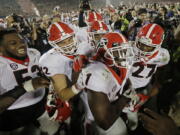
{"x": 142, "y": 11}
{"x": 5, "y": 32}
{"x": 164, "y": 9}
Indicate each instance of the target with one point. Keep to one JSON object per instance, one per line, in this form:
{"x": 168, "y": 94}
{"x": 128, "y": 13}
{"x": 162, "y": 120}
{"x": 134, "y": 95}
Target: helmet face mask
{"x": 97, "y": 30}
{"x": 114, "y": 50}
{"x": 68, "y": 46}
{"x": 95, "y": 37}
{"x": 143, "y": 48}
{"x": 122, "y": 55}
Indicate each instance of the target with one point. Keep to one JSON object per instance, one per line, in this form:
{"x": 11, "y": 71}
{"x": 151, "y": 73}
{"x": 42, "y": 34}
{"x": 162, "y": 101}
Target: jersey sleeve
{"x": 82, "y": 35}
{"x": 163, "y": 57}
{"x": 85, "y": 48}
{"x": 51, "y": 65}
{"x": 34, "y": 52}
{"x": 7, "y": 79}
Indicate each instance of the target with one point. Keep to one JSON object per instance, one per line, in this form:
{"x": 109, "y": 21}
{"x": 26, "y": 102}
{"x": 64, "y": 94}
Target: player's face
{"x": 66, "y": 42}
{"x": 68, "y": 45}
{"x": 97, "y": 37}
{"x": 120, "y": 57}
{"x": 144, "y": 47}
{"x": 14, "y": 44}
{"x": 143, "y": 16}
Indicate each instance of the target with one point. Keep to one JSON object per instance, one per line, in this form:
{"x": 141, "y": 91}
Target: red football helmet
{"x": 98, "y": 27}
{"x": 93, "y": 16}
{"x": 148, "y": 40}
{"x": 114, "y": 50}
{"x": 57, "y": 109}
{"x": 96, "y": 30}
{"x": 61, "y": 36}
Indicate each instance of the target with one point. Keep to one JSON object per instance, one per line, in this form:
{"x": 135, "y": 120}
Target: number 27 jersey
{"x": 141, "y": 73}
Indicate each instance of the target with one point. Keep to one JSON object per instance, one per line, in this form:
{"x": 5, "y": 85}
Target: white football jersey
{"x": 100, "y": 78}
{"x": 82, "y": 35}
{"x": 53, "y": 62}
{"x": 141, "y": 73}
{"x": 14, "y": 72}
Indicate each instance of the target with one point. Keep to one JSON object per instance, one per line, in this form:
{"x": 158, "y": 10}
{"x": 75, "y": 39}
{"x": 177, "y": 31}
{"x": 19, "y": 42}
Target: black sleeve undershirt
{"x": 8, "y": 98}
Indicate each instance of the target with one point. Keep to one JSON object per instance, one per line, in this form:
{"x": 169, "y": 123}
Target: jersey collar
{"x": 22, "y": 62}
{"x": 148, "y": 58}
{"x": 70, "y": 56}
{"x": 119, "y": 77}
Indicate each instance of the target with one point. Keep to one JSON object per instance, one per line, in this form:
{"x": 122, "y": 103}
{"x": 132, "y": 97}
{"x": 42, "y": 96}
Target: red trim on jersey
{"x": 23, "y": 62}
{"x": 154, "y": 55}
{"x": 120, "y": 78}
{"x": 70, "y": 56}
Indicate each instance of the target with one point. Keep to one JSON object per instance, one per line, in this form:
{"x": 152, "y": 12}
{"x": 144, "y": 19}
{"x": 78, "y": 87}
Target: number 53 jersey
{"x": 15, "y": 72}
{"x": 141, "y": 73}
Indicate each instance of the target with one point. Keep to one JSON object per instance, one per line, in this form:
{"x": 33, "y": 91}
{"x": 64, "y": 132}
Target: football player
{"x": 22, "y": 93}
{"x": 58, "y": 64}
{"x": 92, "y": 33}
{"x": 92, "y": 27}
{"x": 104, "y": 81}
{"x": 149, "y": 56}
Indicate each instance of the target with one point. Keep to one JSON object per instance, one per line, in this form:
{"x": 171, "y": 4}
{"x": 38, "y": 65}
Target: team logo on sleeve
{"x": 14, "y": 66}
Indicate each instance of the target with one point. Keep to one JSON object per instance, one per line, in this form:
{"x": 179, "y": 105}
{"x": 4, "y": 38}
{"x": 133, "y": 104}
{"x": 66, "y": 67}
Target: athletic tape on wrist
{"x": 28, "y": 86}
{"x": 74, "y": 89}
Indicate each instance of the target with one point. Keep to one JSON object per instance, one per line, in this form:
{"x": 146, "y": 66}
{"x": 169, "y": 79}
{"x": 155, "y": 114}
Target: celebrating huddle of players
{"x": 110, "y": 73}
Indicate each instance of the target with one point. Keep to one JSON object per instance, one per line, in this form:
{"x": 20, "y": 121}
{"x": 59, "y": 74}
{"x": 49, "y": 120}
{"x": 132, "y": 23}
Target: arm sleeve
{"x": 51, "y": 65}
{"x": 8, "y": 98}
{"x": 164, "y": 57}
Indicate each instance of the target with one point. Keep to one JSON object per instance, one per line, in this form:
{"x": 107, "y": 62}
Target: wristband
{"x": 28, "y": 86}
{"x": 74, "y": 89}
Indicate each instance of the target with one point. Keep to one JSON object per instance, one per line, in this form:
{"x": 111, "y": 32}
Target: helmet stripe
{"x": 95, "y": 17}
{"x": 100, "y": 25}
{"x": 60, "y": 28}
{"x": 150, "y": 30}
{"x": 124, "y": 40}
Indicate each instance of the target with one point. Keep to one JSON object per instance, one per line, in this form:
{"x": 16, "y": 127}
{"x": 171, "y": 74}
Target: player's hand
{"x": 137, "y": 100}
{"x": 79, "y": 62}
{"x": 40, "y": 82}
{"x": 141, "y": 101}
{"x": 158, "y": 124}
{"x": 57, "y": 109}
